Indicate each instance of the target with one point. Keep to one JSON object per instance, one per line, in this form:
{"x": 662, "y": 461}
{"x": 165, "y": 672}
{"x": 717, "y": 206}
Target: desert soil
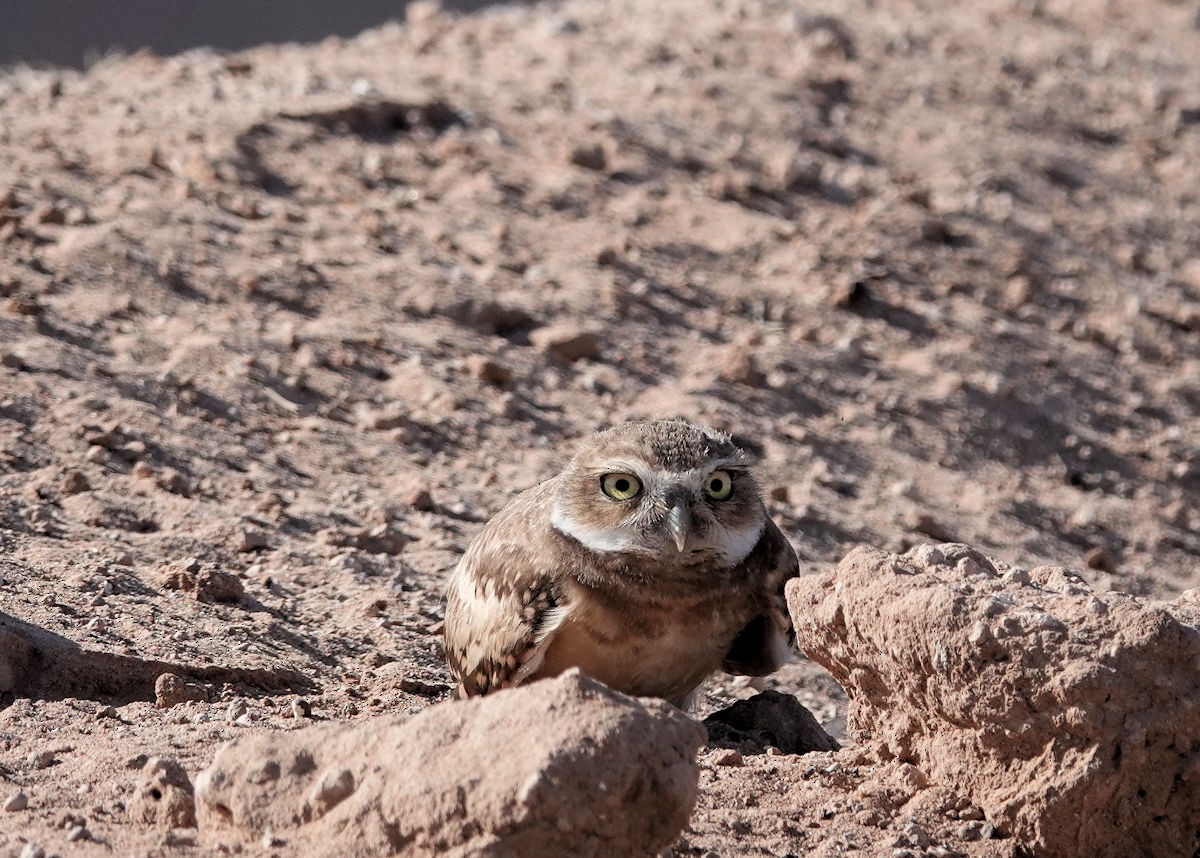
{"x": 280, "y": 329}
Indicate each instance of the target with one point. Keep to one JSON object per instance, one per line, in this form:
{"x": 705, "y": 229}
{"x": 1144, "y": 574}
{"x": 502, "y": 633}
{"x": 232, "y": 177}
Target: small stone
{"x": 95, "y": 624}
{"x": 41, "y": 759}
{"x": 214, "y": 585}
{"x": 177, "y": 577}
{"x": 132, "y": 449}
{"x": 23, "y": 305}
{"x": 105, "y": 712}
{"x": 74, "y": 482}
{"x": 493, "y": 372}
{"x": 78, "y": 833}
{"x": 50, "y": 213}
{"x": 769, "y": 720}
{"x": 1101, "y": 559}
{"x": 873, "y": 818}
{"x": 380, "y": 419}
{"x": 16, "y": 801}
{"x": 12, "y": 361}
{"x": 1016, "y": 575}
{"x": 911, "y": 777}
{"x": 566, "y": 343}
{"x": 728, "y": 757}
{"x": 143, "y": 471}
{"x": 381, "y": 539}
{"x": 971, "y": 831}
{"x": 737, "y": 365}
{"x": 420, "y": 499}
{"x": 171, "y": 689}
{"x": 32, "y": 850}
{"x": 1016, "y": 292}
{"x": 236, "y": 710}
{"x": 981, "y": 634}
{"x": 170, "y": 480}
{"x": 590, "y": 156}
{"x": 164, "y": 795}
{"x": 608, "y": 257}
{"x": 270, "y": 502}
{"x": 250, "y": 539}
{"x": 997, "y": 605}
{"x": 136, "y": 761}
{"x": 301, "y": 709}
{"x": 915, "y": 835}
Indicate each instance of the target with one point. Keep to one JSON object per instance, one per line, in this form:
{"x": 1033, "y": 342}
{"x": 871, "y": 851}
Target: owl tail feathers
{"x": 760, "y": 648}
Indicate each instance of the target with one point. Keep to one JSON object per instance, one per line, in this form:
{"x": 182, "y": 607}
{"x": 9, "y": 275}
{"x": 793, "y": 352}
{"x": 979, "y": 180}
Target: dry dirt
{"x": 280, "y": 329}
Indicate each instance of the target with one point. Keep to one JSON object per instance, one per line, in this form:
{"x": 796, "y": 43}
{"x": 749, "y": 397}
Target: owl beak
{"x": 679, "y": 522}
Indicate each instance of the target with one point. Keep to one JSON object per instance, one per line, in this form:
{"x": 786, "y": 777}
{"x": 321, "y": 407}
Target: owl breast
{"x": 645, "y": 648}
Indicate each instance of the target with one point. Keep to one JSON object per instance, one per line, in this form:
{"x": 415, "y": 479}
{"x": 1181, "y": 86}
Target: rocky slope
{"x": 280, "y": 329}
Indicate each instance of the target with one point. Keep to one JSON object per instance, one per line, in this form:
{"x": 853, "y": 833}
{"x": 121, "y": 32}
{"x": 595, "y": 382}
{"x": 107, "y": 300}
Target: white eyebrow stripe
{"x": 658, "y": 476}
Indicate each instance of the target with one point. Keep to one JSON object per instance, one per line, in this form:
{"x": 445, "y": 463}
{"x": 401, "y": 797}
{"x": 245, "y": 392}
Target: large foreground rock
{"x": 1072, "y": 718}
{"x": 561, "y": 767}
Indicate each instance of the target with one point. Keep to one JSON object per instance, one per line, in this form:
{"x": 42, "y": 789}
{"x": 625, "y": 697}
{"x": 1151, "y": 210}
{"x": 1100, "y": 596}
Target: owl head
{"x": 666, "y": 488}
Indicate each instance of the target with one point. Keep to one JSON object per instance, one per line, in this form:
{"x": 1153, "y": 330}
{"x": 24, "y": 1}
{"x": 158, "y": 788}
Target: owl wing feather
{"x": 767, "y": 641}
{"x": 502, "y": 605}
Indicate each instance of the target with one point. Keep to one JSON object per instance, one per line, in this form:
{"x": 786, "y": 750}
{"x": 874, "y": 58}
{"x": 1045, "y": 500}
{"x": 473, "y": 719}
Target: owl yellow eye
{"x": 620, "y": 487}
{"x": 719, "y": 485}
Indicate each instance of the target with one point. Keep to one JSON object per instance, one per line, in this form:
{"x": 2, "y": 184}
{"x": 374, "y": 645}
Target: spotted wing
{"x": 502, "y": 608}
{"x": 767, "y": 641}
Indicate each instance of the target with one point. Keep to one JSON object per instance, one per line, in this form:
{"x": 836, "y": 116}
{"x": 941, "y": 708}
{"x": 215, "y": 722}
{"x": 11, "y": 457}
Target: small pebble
{"x": 16, "y": 801}
{"x": 727, "y": 757}
{"x": 79, "y": 832}
{"x": 74, "y": 482}
{"x": 42, "y": 759}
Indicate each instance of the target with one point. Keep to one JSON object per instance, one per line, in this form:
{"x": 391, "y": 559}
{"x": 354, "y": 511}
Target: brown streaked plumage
{"x": 650, "y": 562}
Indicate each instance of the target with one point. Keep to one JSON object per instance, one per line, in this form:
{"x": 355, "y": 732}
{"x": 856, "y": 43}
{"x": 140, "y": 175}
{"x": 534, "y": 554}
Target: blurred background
{"x": 64, "y": 33}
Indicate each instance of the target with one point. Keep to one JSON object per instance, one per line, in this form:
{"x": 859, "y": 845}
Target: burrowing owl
{"x": 650, "y": 562}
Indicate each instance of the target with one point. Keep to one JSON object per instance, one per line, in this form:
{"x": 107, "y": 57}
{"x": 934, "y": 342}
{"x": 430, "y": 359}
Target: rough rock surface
{"x": 561, "y": 767}
{"x": 164, "y": 796}
{"x": 1071, "y": 717}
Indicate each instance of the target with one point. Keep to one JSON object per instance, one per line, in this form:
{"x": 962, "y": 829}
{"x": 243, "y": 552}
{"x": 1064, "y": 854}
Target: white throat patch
{"x": 739, "y": 543}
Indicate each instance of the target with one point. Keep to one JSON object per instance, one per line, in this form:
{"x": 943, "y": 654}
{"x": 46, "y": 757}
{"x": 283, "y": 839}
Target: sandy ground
{"x": 279, "y": 330}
